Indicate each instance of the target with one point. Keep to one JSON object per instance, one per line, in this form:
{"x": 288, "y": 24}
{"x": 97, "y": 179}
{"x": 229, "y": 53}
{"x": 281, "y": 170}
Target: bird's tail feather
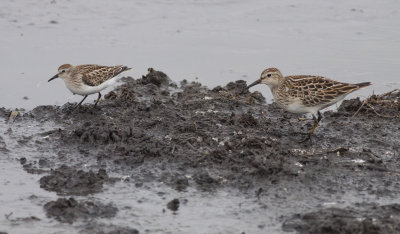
{"x": 363, "y": 84}
{"x": 125, "y": 68}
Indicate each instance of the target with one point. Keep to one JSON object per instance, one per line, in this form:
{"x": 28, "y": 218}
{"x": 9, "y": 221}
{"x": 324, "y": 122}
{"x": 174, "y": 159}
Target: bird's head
{"x": 63, "y": 70}
{"x": 270, "y": 77}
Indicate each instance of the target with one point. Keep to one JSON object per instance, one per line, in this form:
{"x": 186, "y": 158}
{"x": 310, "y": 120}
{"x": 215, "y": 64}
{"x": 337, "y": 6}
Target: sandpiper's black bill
{"x": 52, "y": 78}
{"x": 254, "y": 83}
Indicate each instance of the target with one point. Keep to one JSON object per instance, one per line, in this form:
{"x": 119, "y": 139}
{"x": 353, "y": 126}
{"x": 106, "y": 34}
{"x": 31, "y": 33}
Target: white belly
{"x": 301, "y": 109}
{"x": 298, "y": 107}
{"x": 86, "y": 89}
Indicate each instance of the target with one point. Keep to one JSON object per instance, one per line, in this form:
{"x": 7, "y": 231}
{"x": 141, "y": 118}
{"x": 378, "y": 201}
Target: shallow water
{"x": 20, "y": 193}
{"x": 212, "y": 41}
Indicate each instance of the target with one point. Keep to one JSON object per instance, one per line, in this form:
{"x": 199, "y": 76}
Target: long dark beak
{"x": 52, "y": 78}
{"x": 254, "y": 83}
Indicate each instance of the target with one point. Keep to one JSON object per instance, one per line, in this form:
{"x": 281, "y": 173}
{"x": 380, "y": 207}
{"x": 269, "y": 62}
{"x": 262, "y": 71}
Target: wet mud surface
{"x": 69, "y": 181}
{"x": 363, "y": 218}
{"x": 69, "y": 210}
{"x": 174, "y": 139}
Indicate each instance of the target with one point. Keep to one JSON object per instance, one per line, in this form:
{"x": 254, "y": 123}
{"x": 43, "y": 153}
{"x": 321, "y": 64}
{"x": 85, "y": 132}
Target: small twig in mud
{"x": 340, "y": 150}
{"x": 377, "y": 168}
{"x": 304, "y": 119}
{"x": 363, "y": 103}
{"x": 343, "y": 216}
{"x": 190, "y": 145}
{"x": 379, "y": 100}
{"x": 173, "y": 149}
{"x": 388, "y": 93}
{"x": 373, "y": 109}
{"x": 373, "y": 157}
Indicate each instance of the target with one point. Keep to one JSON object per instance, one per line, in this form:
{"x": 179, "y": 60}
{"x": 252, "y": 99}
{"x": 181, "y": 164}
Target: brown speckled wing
{"x": 94, "y": 75}
{"x": 317, "y": 90}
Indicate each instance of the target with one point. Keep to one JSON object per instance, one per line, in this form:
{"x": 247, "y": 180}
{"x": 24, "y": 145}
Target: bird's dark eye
{"x": 269, "y": 75}
{"x": 62, "y": 71}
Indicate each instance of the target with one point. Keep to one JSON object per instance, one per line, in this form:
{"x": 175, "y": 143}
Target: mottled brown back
{"x": 94, "y": 75}
{"x": 316, "y": 90}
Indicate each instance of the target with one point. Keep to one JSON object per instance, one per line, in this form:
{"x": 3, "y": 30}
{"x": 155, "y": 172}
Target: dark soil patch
{"x": 173, "y": 204}
{"x": 69, "y": 181}
{"x": 364, "y": 218}
{"x": 69, "y": 210}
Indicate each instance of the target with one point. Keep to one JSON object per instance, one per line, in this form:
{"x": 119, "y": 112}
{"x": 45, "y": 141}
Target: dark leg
{"x": 316, "y": 122}
{"x": 98, "y": 99}
{"x": 79, "y": 104}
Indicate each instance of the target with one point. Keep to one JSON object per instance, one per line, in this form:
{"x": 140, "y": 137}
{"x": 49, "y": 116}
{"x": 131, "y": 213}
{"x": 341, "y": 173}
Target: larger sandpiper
{"x": 89, "y": 78}
{"x": 305, "y": 93}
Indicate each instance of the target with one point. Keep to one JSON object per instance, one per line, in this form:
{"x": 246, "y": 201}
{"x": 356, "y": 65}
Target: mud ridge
{"x": 190, "y": 137}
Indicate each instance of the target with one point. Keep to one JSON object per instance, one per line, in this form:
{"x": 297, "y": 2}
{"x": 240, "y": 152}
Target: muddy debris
{"x": 173, "y": 205}
{"x": 66, "y": 180}
{"x": 35, "y": 166}
{"x": 206, "y": 182}
{"x": 181, "y": 184}
{"x": 21, "y": 220}
{"x": 386, "y": 105}
{"x": 22, "y": 160}
{"x": 175, "y": 180}
{"x": 100, "y": 228}
{"x": 363, "y": 218}
{"x": 69, "y": 210}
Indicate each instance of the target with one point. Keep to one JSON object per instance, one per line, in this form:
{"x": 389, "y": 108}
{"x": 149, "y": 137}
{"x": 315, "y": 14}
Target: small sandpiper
{"x": 88, "y": 79}
{"x": 304, "y": 93}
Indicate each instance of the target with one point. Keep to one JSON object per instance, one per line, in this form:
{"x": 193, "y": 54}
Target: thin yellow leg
{"x": 313, "y": 128}
{"x": 316, "y": 122}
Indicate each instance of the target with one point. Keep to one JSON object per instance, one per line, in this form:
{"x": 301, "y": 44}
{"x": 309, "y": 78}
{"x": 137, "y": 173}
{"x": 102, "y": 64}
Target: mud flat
{"x": 156, "y": 156}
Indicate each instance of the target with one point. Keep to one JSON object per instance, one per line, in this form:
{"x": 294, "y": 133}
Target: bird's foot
{"x": 308, "y": 138}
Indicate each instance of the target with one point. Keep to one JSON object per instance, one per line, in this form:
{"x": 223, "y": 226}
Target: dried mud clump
{"x": 69, "y": 210}
{"x": 365, "y": 218}
{"x": 386, "y": 105}
{"x": 69, "y": 181}
{"x": 173, "y": 205}
{"x": 155, "y": 77}
{"x": 350, "y": 106}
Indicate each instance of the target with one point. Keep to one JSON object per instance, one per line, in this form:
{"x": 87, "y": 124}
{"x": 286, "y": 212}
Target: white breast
{"x": 86, "y": 89}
